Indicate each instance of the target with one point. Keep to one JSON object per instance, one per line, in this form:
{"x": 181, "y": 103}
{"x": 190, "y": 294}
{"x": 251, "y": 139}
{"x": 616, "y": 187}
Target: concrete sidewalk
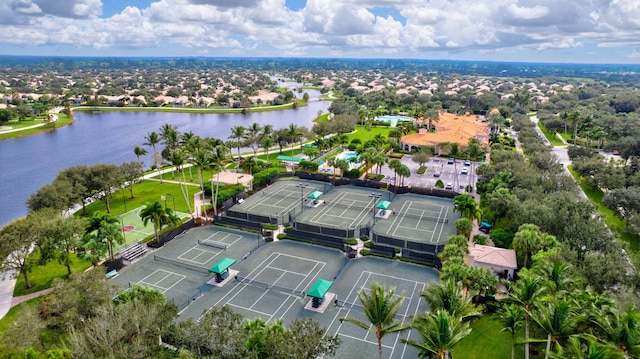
{"x": 6, "y": 294}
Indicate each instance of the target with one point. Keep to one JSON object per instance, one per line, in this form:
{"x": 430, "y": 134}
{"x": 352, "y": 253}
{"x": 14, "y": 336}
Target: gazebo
{"x": 221, "y": 269}
{"x": 314, "y": 196}
{"x": 318, "y": 292}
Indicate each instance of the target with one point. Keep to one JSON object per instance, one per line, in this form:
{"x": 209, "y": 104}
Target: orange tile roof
{"x": 498, "y": 257}
{"x": 450, "y": 128}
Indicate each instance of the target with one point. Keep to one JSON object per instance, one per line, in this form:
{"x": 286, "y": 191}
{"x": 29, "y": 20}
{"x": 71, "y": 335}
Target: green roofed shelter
{"x": 314, "y": 195}
{"x": 289, "y": 158}
{"x": 383, "y": 205}
{"x": 221, "y": 269}
{"x": 320, "y": 288}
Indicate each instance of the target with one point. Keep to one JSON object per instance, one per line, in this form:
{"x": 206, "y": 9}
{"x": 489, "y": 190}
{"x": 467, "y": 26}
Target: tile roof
{"x": 498, "y": 257}
{"x": 450, "y": 128}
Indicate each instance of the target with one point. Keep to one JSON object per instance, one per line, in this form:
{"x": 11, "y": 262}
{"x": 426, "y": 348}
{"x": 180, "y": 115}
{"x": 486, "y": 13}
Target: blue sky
{"x": 581, "y": 31}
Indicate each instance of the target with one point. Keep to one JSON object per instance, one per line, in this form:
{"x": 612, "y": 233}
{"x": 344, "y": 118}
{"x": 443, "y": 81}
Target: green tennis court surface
{"x": 134, "y": 229}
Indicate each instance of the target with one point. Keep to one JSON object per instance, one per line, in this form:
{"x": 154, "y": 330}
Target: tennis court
{"x": 134, "y": 229}
{"x": 277, "y": 200}
{"x": 421, "y": 219}
{"x": 273, "y": 281}
{"x": 180, "y": 269}
{"x": 344, "y": 207}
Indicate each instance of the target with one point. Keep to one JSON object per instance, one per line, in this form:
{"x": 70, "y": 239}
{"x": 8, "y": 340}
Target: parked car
{"x": 467, "y": 163}
{"x": 449, "y": 186}
{"x": 465, "y": 170}
{"x": 436, "y": 173}
{"x": 450, "y": 161}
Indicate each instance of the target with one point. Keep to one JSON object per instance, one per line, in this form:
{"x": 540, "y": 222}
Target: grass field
{"x": 12, "y": 315}
{"x": 615, "y": 223}
{"x": 145, "y": 192}
{"x": 364, "y": 135}
{"x": 63, "y": 120}
{"x": 41, "y": 277}
{"x": 551, "y": 137}
{"x": 486, "y": 341}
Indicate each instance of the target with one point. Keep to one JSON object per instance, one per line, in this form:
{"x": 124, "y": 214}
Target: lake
{"x": 27, "y": 163}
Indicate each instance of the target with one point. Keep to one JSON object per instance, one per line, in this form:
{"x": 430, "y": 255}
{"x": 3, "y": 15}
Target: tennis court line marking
{"x": 333, "y": 205}
{"x": 202, "y": 251}
{"x": 163, "y": 278}
{"x": 232, "y": 235}
{"x": 404, "y": 316}
{"x": 441, "y": 225}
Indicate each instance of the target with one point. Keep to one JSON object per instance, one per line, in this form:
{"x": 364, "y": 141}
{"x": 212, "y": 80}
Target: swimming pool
{"x": 393, "y": 120}
{"x": 348, "y": 155}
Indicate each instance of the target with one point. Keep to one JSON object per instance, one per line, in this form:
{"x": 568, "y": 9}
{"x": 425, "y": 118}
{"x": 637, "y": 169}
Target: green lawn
{"x": 41, "y": 277}
{"x": 12, "y": 315}
{"x": 551, "y": 137}
{"x": 63, "y": 120}
{"x": 615, "y": 223}
{"x": 364, "y": 135}
{"x": 486, "y": 341}
{"x": 145, "y": 192}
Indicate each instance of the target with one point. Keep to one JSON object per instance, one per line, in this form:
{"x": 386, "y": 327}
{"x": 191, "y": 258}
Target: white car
{"x": 465, "y": 170}
{"x": 449, "y": 186}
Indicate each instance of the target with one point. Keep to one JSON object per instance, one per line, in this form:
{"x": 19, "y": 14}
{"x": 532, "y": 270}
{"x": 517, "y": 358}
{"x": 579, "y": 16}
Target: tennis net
{"x": 180, "y": 264}
{"x": 268, "y": 286}
{"x": 423, "y": 217}
{"x": 213, "y": 244}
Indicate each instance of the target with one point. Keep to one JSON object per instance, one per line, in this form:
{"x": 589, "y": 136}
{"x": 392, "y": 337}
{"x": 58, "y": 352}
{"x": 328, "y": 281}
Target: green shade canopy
{"x": 320, "y": 288}
{"x": 222, "y": 266}
{"x": 289, "y": 158}
{"x": 314, "y": 195}
{"x": 383, "y": 205}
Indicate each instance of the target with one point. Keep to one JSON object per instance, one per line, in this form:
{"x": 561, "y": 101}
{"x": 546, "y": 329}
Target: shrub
{"x": 353, "y": 173}
{"x": 282, "y": 236}
{"x": 502, "y": 237}
{"x": 367, "y": 244}
{"x": 351, "y": 241}
{"x": 365, "y": 252}
{"x": 364, "y": 238}
{"x": 287, "y": 224}
{"x": 480, "y": 239}
{"x": 421, "y": 170}
{"x": 272, "y": 227}
{"x": 439, "y": 183}
{"x": 396, "y": 155}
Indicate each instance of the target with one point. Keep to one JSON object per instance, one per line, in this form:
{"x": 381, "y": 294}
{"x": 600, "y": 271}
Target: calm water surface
{"x": 29, "y": 162}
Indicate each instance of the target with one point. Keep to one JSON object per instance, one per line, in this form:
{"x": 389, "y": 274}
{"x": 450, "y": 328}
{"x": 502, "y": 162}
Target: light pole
{"x": 123, "y": 231}
{"x": 302, "y": 187}
{"x": 173, "y": 199}
{"x": 376, "y": 197}
{"x": 164, "y": 199}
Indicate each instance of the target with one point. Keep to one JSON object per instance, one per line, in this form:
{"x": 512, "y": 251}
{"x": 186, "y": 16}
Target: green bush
{"x": 351, "y": 241}
{"x": 396, "y": 155}
{"x": 396, "y": 249}
{"x": 480, "y": 239}
{"x": 502, "y": 237}
{"x": 421, "y": 170}
{"x": 353, "y": 173}
{"x": 364, "y": 238}
{"x": 365, "y": 252}
{"x": 367, "y": 244}
{"x": 272, "y": 227}
{"x": 309, "y": 166}
{"x": 439, "y": 183}
{"x": 282, "y": 236}
{"x": 260, "y": 178}
{"x": 287, "y": 224}
{"x": 375, "y": 177}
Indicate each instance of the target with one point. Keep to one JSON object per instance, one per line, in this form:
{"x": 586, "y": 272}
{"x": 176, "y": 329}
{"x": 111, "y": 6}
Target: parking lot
{"x": 437, "y": 168}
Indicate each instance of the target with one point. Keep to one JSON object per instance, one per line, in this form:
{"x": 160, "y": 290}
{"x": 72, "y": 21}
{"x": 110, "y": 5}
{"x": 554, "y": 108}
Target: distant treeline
{"x": 603, "y": 72}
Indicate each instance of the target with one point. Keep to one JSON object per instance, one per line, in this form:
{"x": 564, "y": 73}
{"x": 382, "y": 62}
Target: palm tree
{"x": 220, "y": 157}
{"x": 403, "y": 172}
{"x": 107, "y": 230}
{"x": 202, "y": 159}
{"x": 158, "y": 215}
{"x": 152, "y": 139}
{"x": 558, "y": 277}
{"x": 139, "y": 152}
{"x": 451, "y": 297}
{"x": 526, "y": 292}
{"x": 527, "y": 240}
{"x": 253, "y": 133}
{"x": 293, "y": 134}
{"x": 622, "y": 329}
{"x": 395, "y": 164}
{"x": 511, "y": 316}
{"x": 381, "y": 307}
{"x": 464, "y": 226}
{"x": 267, "y": 142}
{"x": 558, "y": 318}
{"x": 178, "y": 158}
{"x": 586, "y": 347}
{"x": 467, "y": 206}
{"x": 238, "y": 132}
{"x": 440, "y": 331}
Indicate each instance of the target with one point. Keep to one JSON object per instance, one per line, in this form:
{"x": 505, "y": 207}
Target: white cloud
{"x": 331, "y": 28}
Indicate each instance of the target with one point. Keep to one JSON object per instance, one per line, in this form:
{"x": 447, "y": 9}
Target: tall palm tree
{"x": 526, "y": 292}
{"x": 451, "y": 297}
{"x": 238, "y": 133}
{"x": 440, "y": 331}
{"x": 467, "y": 206}
{"x": 158, "y": 215}
{"x": 558, "y": 277}
{"x": 381, "y": 307}
{"x": 586, "y": 347}
{"x": 139, "y": 152}
{"x": 527, "y": 240}
{"x": 253, "y": 133}
{"x": 267, "y": 142}
{"x": 152, "y": 139}
{"x": 403, "y": 172}
{"x": 293, "y": 134}
{"x": 558, "y": 318}
{"x": 220, "y": 157}
{"x": 511, "y": 316}
{"x": 178, "y": 157}
{"x": 622, "y": 329}
{"x": 395, "y": 164}
{"x": 202, "y": 159}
